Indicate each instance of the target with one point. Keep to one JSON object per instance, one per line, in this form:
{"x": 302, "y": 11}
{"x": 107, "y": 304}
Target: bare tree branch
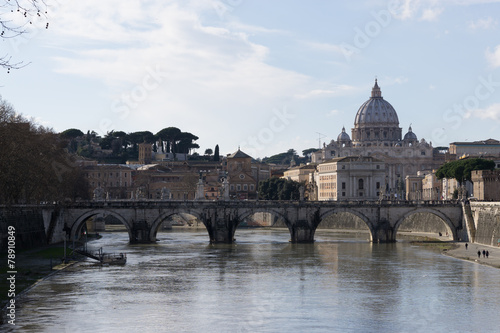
{"x": 15, "y": 18}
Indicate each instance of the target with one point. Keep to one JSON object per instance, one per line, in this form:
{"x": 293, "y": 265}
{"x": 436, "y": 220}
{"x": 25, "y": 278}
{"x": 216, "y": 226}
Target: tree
{"x": 34, "y": 165}
{"x": 15, "y": 19}
{"x": 308, "y": 152}
{"x": 461, "y": 170}
{"x": 170, "y": 136}
{"x": 186, "y": 143}
{"x": 284, "y": 158}
{"x": 216, "y": 153}
{"x": 208, "y": 151}
{"x": 71, "y": 133}
{"x": 279, "y": 189}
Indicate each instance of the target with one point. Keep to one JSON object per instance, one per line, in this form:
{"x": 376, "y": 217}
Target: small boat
{"x": 113, "y": 258}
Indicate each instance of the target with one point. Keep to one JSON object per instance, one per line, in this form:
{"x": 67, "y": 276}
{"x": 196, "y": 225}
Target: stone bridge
{"x": 221, "y": 218}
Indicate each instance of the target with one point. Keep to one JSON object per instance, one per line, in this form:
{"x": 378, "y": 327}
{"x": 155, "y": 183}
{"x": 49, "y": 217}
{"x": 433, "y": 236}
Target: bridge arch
{"x": 155, "y": 226}
{"x": 245, "y": 213}
{"x": 330, "y": 212}
{"x": 443, "y": 217}
{"x": 80, "y": 220}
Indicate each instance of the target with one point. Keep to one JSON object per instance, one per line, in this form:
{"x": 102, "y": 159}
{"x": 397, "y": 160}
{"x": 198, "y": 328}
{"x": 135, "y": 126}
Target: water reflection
{"x": 264, "y": 283}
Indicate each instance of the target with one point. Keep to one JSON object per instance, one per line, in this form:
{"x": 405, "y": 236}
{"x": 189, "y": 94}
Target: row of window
{"x": 110, "y": 184}
{"x": 333, "y": 186}
{"x": 104, "y": 175}
{"x": 245, "y": 187}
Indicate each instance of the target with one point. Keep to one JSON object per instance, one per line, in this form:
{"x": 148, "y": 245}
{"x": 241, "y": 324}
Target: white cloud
{"x": 333, "y": 113}
{"x": 424, "y": 10}
{"x": 431, "y": 14}
{"x": 332, "y": 48}
{"x": 492, "y": 112}
{"x": 484, "y": 23}
{"x": 429, "y": 10}
{"x": 338, "y": 90}
{"x": 493, "y": 57}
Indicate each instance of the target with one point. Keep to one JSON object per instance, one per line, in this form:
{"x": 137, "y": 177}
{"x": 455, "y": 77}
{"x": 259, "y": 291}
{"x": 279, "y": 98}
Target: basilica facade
{"x": 377, "y": 134}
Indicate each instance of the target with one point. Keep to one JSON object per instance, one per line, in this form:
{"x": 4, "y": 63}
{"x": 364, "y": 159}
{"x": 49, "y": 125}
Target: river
{"x": 262, "y": 283}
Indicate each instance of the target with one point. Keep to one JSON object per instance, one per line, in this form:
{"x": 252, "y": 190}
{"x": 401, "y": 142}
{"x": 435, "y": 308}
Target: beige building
{"x": 486, "y": 184}
{"x": 423, "y": 186}
{"x": 244, "y": 175}
{"x": 300, "y": 173}
{"x": 350, "y": 178}
{"x": 115, "y": 181}
{"x": 145, "y": 153}
{"x": 377, "y": 134}
{"x": 488, "y": 147}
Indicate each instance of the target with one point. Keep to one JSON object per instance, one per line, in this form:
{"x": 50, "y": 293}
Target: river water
{"x": 341, "y": 283}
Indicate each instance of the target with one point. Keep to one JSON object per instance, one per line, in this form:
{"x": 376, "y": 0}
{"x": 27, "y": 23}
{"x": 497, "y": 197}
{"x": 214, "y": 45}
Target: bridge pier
{"x": 221, "y": 227}
{"x": 303, "y": 225}
{"x": 301, "y": 233}
{"x": 140, "y": 233}
{"x": 383, "y": 233}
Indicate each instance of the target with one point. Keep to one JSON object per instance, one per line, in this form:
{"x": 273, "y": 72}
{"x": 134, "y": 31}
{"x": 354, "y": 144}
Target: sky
{"x": 262, "y": 75}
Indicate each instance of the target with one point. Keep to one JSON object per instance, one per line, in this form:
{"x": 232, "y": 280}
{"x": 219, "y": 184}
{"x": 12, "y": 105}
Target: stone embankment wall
{"x": 424, "y": 222}
{"x": 29, "y": 228}
{"x": 486, "y": 217}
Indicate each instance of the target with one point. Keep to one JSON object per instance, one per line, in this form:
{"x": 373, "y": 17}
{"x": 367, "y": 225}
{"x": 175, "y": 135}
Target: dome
{"x": 376, "y": 110}
{"x": 376, "y": 122}
{"x": 343, "y": 136}
{"x": 410, "y": 135}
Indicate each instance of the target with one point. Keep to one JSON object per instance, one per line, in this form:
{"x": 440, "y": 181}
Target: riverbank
{"x": 470, "y": 254}
{"x": 31, "y": 267}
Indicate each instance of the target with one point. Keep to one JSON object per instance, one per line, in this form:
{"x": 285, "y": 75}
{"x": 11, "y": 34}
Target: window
{"x": 360, "y": 194}
{"x": 377, "y": 185}
{"x": 125, "y": 175}
{"x": 245, "y": 187}
{"x": 360, "y": 184}
{"x": 378, "y": 167}
{"x": 238, "y": 187}
{"x": 125, "y": 184}
{"x": 251, "y": 187}
{"x": 343, "y": 194}
{"x": 422, "y": 152}
{"x": 343, "y": 185}
{"x": 343, "y": 167}
{"x": 232, "y": 187}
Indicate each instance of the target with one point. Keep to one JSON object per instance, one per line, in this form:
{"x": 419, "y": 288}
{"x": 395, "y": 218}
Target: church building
{"x": 377, "y": 134}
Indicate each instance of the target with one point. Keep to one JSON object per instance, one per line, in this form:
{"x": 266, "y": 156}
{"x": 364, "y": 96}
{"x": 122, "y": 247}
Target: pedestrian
{"x": 479, "y": 254}
{"x": 487, "y": 254}
{"x": 466, "y": 245}
{"x": 484, "y": 254}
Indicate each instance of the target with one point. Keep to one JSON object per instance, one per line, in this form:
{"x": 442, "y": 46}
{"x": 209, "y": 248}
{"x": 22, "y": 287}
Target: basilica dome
{"x": 343, "y": 136}
{"x": 376, "y": 110}
{"x": 410, "y": 135}
{"x": 376, "y": 121}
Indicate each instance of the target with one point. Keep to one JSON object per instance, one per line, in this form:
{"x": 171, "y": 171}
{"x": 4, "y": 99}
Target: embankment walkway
{"x": 470, "y": 254}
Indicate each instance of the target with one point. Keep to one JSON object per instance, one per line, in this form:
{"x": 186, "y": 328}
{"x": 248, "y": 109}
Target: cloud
{"x": 424, "y": 10}
{"x": 331, "y": 48}
{"x": 338, "y": 90}
{"x": 493, "y": 57}
{"x": 431, "y": 14}
{"x": 332, "y": 113}
{"x": 492, "y": 112}
{"x": 429, "y": 10}
{"x": 484, "y": 23}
